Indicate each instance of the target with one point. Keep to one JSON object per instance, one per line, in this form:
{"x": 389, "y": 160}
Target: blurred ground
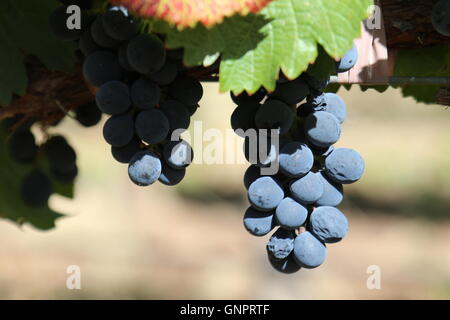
{"x": 189, "y": 243}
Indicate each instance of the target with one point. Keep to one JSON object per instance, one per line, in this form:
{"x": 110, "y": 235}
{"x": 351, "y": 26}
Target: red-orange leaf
{"x": 186, "y": 13}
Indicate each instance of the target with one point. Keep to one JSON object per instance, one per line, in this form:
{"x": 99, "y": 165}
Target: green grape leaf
{"x": 24, "y": 31}
{"x": 11, "y": 205}
{"x": 187, "y": 13}
{"x": 424, "y": 62}
{"x": 284, "y": 35}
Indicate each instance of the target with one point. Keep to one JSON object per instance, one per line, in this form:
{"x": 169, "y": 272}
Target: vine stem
{"x": 402, "y": 81}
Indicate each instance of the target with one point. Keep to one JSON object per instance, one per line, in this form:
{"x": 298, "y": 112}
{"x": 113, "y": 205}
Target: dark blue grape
{"x": 259, "y": 223}
{"x": 322, "y": 129}
{"x": 178, "y": 154}
{"x": 281, "y": 244}
{"x": 113, "y": 98}
{"x": 348, "y": 61}
{"x": 296, "y": 159}
{"x": 101, "y": 67}
{"x": 291, "y": 92}
{"x": 344, "y": 165}
{"x": 152, "y": 126}
{"x": 309, "y": 252}
{"x": 118, "y": 26}
{"x": 290, "y": 214}
{"x": 308, "y": 189}
{"x": 100, "y": 36}
{"x": 274, "y": 114}
{"x": 328, "y": 224}
{"x": 146, "y": 53}
{"x": 265, "y": 194}
{"x": 186, "y": 89}
{"x": 119, "y": 130}
{"x": 144, "y": 168}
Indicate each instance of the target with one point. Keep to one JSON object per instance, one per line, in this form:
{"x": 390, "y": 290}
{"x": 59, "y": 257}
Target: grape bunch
{"x": 143, "y": 88}
{"x": 59, "y": 163}
{"x": 298, "y": 124}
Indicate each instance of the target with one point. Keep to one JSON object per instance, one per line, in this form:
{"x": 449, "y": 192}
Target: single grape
{"x": 348, "y": 61}
{"x": 113, "y": 98}
{"x": 296, "y": 159}
{"x": 178, "y": 154}
{"x": 101, "y": 67}
{"x": 328, "y": 224}
{"x": 244, "y": 97}
{"x": 119, "y": 26}
{"x": 145, "y": 94}
{"x": 322, "y": 129}
{"x": 274, "y": 114}
{"x": 166, "y": 75}
{"x": 36, "y": 189}
{"x": 309, "y": 252}
{"x": 287, "y": 266}
{"x": 22, "y": 146}
{"x": 336, "y": 106}
{"x": 125, "y": 154}
{"x": 152, "y": 126}
{"x": 243, "y": 117}
{"x": 146, "y": 53}
{"x": 100, "y": 36}
{"x": 186, "y": 89}
{"x": 307, "y": 189}
{"x": 177, "y": 114}
{"x": 258, "y": 223}
{"x": 344, "y": 165}
{"x": 88, "y": 115}
{"x": 441, "y": 17}
{"x": 58, "y": 25}
{"x": 265, "y": 194}
{"x": 281, "y": 244}
{"x": 145, "y": 168}
{"x": 291, "y": 92}
{"x": 290, "y": 214}
{"x": 119, "y": 130}
{"x": 333, "y": 193}
{"x": 170, "y": 176}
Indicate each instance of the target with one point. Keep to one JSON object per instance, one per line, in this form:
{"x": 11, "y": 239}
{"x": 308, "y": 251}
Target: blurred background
{"x": 188, "y": 242}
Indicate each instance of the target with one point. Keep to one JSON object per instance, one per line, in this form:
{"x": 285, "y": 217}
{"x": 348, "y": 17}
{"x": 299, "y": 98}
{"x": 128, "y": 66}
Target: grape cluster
{"x": 60, "y": 160}
{"x": 143, "y": 88}
{"x": 301, "y": 196}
